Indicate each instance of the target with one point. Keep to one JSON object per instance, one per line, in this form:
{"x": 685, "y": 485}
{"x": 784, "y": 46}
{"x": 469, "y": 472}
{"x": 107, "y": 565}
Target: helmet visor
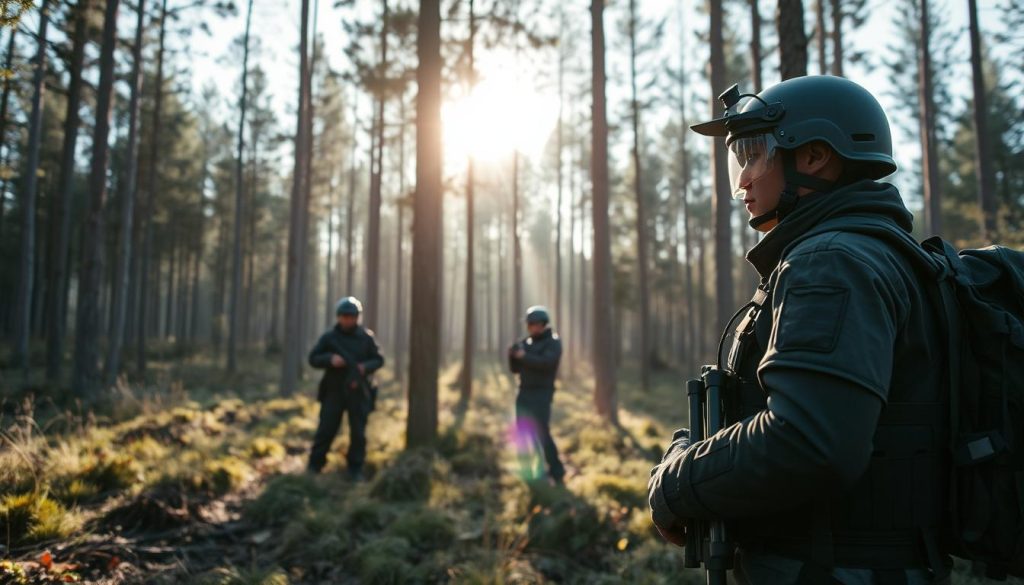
{"x": 750, "y": 157}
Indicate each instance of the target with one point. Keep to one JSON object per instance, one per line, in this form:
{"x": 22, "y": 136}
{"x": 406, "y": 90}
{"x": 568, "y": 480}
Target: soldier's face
{"x": 535, "y": 328}
{"x": 762, "y": 194}
{"x": 348, "y": 321}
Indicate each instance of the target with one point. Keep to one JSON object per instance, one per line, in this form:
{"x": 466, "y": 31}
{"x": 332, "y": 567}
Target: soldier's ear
{"x": 815, "y": 158}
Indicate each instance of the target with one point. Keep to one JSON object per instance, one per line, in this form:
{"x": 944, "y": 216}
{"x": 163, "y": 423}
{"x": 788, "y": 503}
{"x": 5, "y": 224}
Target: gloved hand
{"x": 668, "y": 524}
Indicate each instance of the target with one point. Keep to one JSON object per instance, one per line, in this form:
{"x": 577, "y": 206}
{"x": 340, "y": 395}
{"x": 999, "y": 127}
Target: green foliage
{"x": 283, "y": 496}
{"x": 236, "y": 576}
{"x": 425, "y": 528}
{"x": 409, "y": 479}
{"x": 266, "y": 448}
{"x": 33, "y": 517}
{"x": 222, "y": 475}
{"x": 382, "y": 561}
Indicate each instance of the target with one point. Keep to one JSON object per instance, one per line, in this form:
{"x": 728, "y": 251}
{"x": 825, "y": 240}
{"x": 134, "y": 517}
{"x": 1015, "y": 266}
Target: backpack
{"x": 979, "y": 295}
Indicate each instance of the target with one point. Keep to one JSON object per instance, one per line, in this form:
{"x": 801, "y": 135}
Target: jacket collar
{"x": 865, "y": 197}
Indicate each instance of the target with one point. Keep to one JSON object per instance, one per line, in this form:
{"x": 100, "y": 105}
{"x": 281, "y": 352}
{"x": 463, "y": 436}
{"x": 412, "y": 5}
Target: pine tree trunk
{"x": 605, "y": 395}
{"x": 376, "y": 176}
{"x": 982, "y": 156}
{"x": 398, "y": 338}
{"x": 641, "y": 213}
{"x": 57, "y": 297}
{"x": 792, "y": 38}
{"x": 128, "y": 194}
{"x": 5, "y": 98}
{"x": 26, "y": 267}
{"x": 468, "y": 337}
{"x": 350, "y": 214}
{"x": 90, "y": 276}
{"x": 756, "y": 58}
{"x": 240, "y": 211}
{"x": 820, "y": 34}
{"x": 146, "y": 230}
{"x": 428, "y": 234}
{"x": 837, "y": 38}
{"x": 296, "y": 238}
{"x": 926, "y": 97}
{"x": 721, "y": 198}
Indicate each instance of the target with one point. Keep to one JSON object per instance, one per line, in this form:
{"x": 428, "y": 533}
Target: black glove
{"x": 668, "y": 524}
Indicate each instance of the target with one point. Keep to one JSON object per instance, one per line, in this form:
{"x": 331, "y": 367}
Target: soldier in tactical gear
{"x": 349, "y": 355}
{"x": 535, "y": 358}
{"x": 830, "y": 466}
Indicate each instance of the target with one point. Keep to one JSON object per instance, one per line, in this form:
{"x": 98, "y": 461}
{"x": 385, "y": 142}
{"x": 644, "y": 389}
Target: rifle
{"x": 352, "y": 374}
{"x": 706, "y": 542}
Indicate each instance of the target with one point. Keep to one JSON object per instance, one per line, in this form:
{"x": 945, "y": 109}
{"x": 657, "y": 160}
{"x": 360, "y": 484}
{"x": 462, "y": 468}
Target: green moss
{"x": 369, "y": 516}
{"x": 223, "y": 475}
{"x": 283, "y": 496}
{"x": 425, "y": 528}
{"x": 236, "y": 576}
{"x": 408, "y": 479}
{"x": 625, "y": 490}
{"x": 265, "y": 448}
{"x": 33, "y": 517}
{"x": 111, "y": 473}
{"x": 383, "y": 561}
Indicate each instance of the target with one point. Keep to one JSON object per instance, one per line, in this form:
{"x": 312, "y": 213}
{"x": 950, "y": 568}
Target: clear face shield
{"x": 750, "y": 157}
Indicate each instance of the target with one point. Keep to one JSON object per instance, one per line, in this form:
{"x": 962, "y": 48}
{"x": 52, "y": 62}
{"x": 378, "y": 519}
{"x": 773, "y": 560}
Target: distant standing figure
{"x": 349, "y": 356}
{"x": 535, "y": 358}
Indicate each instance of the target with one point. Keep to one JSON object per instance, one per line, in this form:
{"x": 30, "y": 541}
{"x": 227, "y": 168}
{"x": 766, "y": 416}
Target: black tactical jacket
{"x": 835, "y": 429}
{"x": 538, "y": 368}
{"x": 356, "y": 346}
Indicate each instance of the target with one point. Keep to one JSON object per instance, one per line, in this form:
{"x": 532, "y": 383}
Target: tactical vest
{"x": 888, "y": 521}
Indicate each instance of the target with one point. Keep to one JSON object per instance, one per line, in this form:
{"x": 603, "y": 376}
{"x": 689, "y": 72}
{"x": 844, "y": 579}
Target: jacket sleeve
{"x": 375, "y": 360}
{"x": 826, "y": 372}
{"x": 547, "y": 359}
{"x": 320, "y": 356}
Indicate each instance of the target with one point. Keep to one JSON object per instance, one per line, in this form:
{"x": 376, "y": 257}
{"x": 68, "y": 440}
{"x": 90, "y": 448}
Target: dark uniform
{"x": 830, "y": 468}
{"x": 537, "y": 370}
{"x": 344, "y": 389}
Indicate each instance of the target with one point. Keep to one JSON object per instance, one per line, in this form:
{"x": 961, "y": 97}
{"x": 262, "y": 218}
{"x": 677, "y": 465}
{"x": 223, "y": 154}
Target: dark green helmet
{"x": 537, "y": 314}
{"x": 348, "y": 306}
{"x": 804, "y": 109}
{"x": 824, "y": 108}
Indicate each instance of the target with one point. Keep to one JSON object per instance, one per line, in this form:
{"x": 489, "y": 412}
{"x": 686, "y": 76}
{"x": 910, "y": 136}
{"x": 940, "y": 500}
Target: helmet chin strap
{"x": 788, "y": 199}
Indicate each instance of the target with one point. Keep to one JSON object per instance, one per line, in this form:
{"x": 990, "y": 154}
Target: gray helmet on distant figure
{"x": 537, "y": 314}
{"x": 795, "y": 112}
{"x": 349, "y": 306}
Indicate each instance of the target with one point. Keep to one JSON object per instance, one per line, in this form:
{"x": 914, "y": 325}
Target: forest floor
{"x": 199, "y": 478}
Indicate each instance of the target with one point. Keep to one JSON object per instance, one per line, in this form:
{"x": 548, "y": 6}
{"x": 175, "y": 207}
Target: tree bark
{"x": 236, "y": 271}
{"x": 57, "y": 297}
{"x": 721, "y": 199}
{"x": 468, "y": 337}
{"x": 982, "y": 155}
{"x": 755, "y": 46}
{"x": 128, "y": 195}
{"x": 350, "y": 214}
{"x": 146, "y": 231}
{"x": 837, "y": 38}
{"x": 90, "y": 275}
{"x": 428, "y": 250}
{"x": 26, "y": 267}
{"x": 376, "y": 176}
{"x": 296, "y": 238}
{"x": 605, "y": 395}
{"x": 926, "y": 98}
{"x": 819, "y": 35}
{"x": 641, "y": 212}
{"x": 4, "y": 101}
{"x": 792, "y": 38}
{"x": 401, "y": 326}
